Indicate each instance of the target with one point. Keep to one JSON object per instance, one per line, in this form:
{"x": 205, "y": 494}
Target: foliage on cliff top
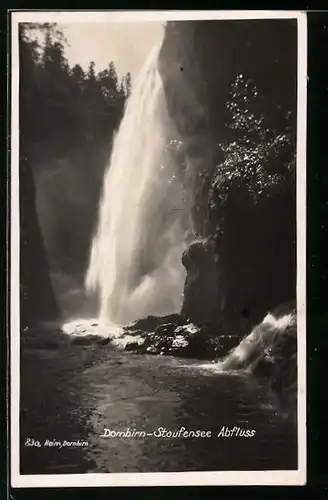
{"x": 254, "y": 157}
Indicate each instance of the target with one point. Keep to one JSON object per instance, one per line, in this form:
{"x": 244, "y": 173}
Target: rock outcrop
{"x": 175, "y": 335}
{"x": 247, "y": 263}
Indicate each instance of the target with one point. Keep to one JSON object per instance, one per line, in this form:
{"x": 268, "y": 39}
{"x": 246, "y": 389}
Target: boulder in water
{"x": 177, "y": 336}
{"x": 150, "y": 323}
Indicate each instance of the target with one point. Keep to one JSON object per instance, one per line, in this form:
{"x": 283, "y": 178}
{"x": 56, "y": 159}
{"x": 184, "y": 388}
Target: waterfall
{"x": 135, "y": 264}
{"x": 259, "y": 342}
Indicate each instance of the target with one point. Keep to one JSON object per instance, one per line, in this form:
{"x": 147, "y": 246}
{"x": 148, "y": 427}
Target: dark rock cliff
{"x": 37, "y": 299}
{"x": 244, "y": 260}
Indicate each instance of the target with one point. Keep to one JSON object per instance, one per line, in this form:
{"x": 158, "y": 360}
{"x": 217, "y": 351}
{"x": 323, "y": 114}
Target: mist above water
{"x": 135, "y": 264}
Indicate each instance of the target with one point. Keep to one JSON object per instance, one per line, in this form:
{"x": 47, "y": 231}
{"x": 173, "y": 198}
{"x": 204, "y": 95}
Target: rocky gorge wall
{"x": 243, "y": 260}
{"x": 37, "y": 299}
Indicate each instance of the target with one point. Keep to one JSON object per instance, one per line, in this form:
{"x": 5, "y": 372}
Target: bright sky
{"x": 126, "y": 44}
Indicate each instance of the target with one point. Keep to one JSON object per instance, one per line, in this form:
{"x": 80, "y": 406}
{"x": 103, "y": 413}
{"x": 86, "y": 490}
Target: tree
{"x": 78, "y": 75}
{"x": 128, "y": 84}
{"x": 122, "y": 87}
{"x": 91, "y": 71}
{"x": 109, "y": 82}
{"x": 113, "y": 80}
{"x": 255, "y": 157}
{"x": 69, "y": 106}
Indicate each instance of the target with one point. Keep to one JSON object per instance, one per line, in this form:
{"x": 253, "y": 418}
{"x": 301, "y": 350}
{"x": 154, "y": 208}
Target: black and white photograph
{"x": 158, "y": 248}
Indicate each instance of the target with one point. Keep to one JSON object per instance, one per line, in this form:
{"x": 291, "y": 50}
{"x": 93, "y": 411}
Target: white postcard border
{"x": 297, "y": 477}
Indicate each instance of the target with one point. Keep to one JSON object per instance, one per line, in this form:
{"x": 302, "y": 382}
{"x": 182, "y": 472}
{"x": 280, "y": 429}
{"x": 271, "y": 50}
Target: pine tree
{"x": 113, "y": 80}
{"x": 122, "y": 87}
{"x": 128, "y": 84}
{"x": 91, "y": 72}
{"x": 109, "y": 82}
{"x": 78, "y": 75}
{"x": 69, "y": 106}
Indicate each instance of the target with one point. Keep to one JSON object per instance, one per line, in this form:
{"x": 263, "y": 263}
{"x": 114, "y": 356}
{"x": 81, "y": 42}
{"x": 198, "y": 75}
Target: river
{"x": 72, "y": 392}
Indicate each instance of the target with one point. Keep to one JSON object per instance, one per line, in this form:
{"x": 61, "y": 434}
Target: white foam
{"x": 92, "y": 326}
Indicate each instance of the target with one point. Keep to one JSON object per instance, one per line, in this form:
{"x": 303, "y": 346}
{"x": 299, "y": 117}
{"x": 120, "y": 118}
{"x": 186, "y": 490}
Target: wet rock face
{"x": 250, "y": 266}
{"x": 201, "y": 292}
{"x": 36, "y": 293}
{"x": 199, "y": 61}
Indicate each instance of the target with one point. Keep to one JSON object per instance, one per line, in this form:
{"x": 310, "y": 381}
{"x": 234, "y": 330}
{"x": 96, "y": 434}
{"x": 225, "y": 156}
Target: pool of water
{"x": 78, "y": 393}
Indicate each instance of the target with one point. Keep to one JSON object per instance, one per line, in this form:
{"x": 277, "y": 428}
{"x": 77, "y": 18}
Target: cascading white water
{"x": 262, "y": 338}
{"x": 135, "y": 264}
